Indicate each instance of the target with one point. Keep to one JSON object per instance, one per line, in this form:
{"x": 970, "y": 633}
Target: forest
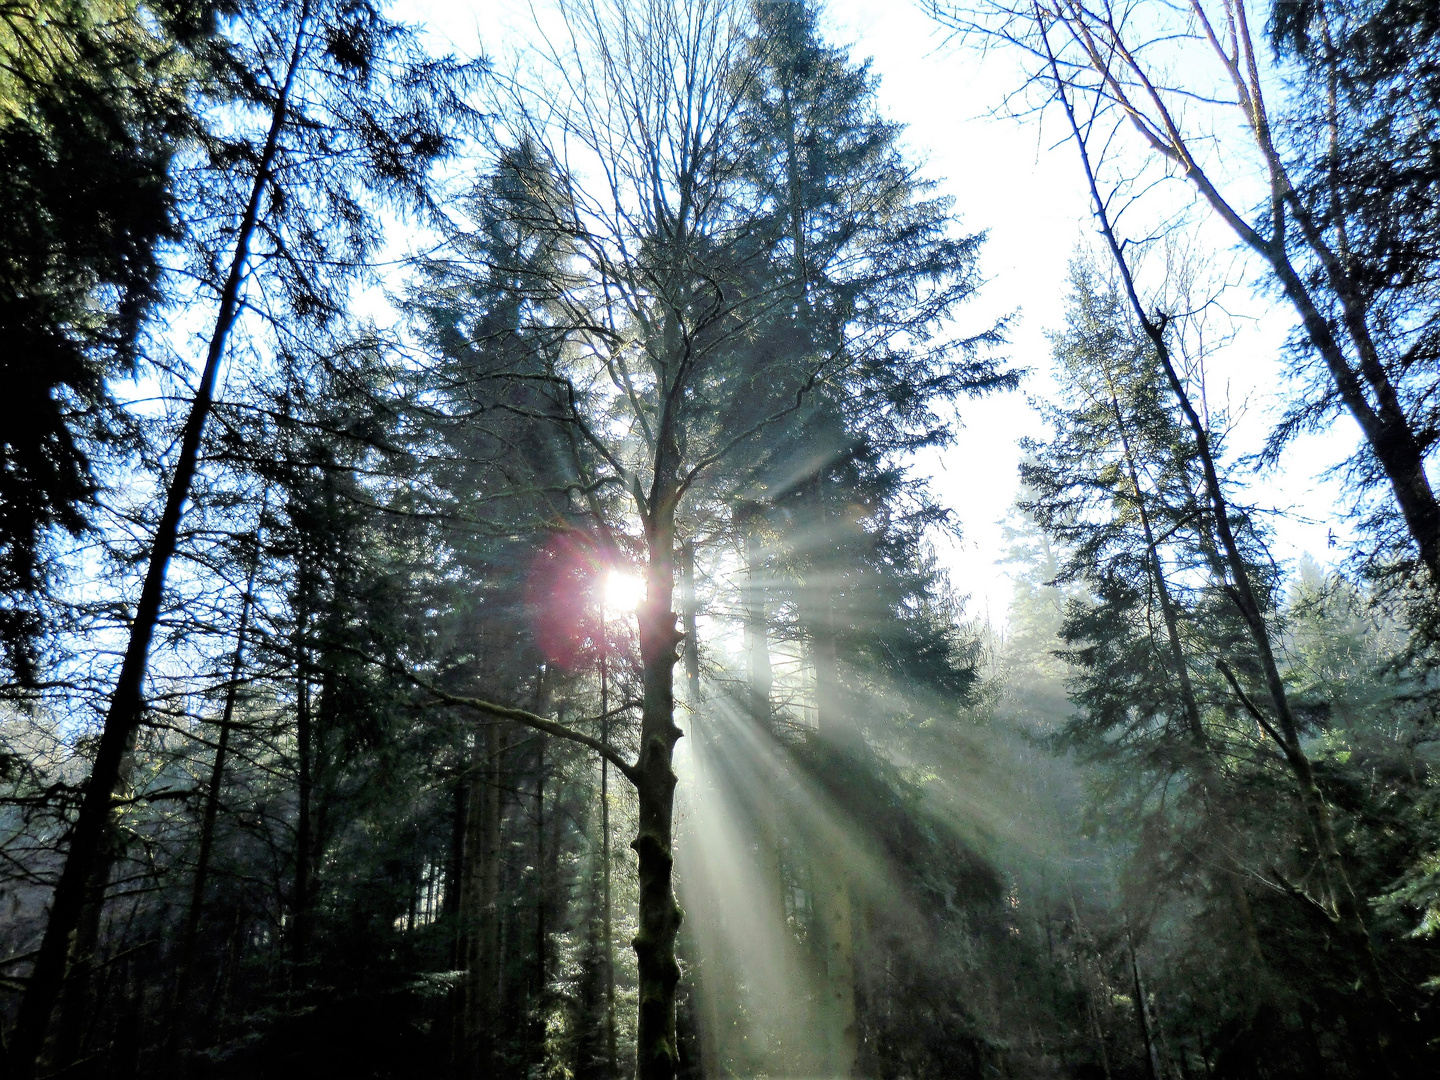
{"x": 476, "y": 604}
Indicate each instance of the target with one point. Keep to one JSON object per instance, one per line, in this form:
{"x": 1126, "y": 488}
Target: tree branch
{"x": 507, "y": 712}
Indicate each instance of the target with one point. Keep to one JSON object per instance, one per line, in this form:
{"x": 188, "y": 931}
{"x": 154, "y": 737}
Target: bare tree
{"x": 1169, "y": 72}
{"x": 629, "y": 156}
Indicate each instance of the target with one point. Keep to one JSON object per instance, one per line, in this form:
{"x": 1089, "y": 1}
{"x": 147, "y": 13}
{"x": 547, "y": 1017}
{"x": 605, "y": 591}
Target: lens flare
{"x": 623, "y": 592}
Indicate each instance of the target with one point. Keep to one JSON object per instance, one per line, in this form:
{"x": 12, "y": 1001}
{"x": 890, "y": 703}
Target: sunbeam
{"x": 787, "y": 877}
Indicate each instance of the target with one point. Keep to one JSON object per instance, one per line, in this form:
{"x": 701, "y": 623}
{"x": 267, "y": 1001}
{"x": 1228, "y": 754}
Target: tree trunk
{"x": 1162, "y": 589}
{"x": 122, "y": 719}
{"x": 455, "y": 858}
{"x": 1153, "y": 1067}
{"x": 1387, "y": 429}
{"x": 78, "y": 998}
{"x": 657, "y": 1055}
{"x": 1096, "y": 1031}
{"x": 830, "y": 721}
{"x": 757, "y": 625}
{"x": 180, "y": 1008}
{"x": 480, "y": 925}
{"x": 304, "y": 745}
{"x": 542, "y": 884}
{"x": 612, "y": 1054}
{"x": 458, "y": 904}
{"x": 833, "y": 912}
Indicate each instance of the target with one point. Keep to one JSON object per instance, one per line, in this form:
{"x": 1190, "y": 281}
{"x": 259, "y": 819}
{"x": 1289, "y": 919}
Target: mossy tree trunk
{"x": 657, "y": 1056}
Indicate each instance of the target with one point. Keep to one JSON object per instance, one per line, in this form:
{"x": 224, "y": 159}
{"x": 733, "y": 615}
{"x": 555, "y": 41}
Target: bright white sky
{"x": 1009, "y": 180}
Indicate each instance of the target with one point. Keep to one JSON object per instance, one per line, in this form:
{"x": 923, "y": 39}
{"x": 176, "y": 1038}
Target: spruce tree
{"x": 338, "y": 84}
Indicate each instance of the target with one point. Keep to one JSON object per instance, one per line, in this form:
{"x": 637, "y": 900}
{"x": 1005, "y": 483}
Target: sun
{"x": 623, "y": 591}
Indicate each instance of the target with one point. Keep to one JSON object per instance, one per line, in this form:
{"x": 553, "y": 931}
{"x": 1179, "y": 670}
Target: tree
{"x": 667, "y": 344}
{"x": 1163, "y": 650}
{"x": 514, "y": 623}
{"x": 872, "y": 261}
{"x": 656, "y": 254}
{"x": 1361, "y": 294}
{"x": 96, "y": 98}
{"x": 333, "y": 82}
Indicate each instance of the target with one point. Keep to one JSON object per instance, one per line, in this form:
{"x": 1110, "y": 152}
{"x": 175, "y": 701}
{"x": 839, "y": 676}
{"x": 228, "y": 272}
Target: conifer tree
{"x": 338, "y": 83}
{"x": 96, "y": 97}
{"x": 1171, "y": 677}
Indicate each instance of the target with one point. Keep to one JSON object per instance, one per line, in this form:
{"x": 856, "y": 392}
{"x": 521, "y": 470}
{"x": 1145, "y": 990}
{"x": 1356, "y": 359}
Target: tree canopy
{"x": 478, "y": 595}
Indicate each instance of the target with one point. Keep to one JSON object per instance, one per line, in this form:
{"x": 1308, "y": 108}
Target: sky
{"x": 1023, "y": 187}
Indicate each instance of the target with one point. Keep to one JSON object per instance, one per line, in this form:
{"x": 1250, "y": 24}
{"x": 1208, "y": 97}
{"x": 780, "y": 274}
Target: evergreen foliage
{"x": 529, "y": 653}
{"x": 94, "y": 99}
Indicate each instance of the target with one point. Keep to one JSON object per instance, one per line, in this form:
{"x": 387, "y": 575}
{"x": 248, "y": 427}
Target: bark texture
{"x": 654, "y": 779}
